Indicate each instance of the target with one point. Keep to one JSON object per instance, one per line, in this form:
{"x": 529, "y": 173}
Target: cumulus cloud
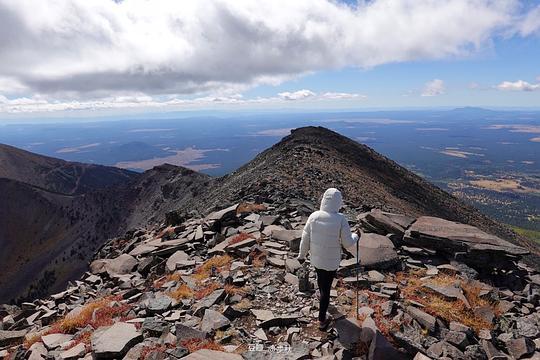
{"x": 297, "y": 95}
{"x": 74, "y": 48}
{"x": 518, "y": 85}
{"x": 433, "y": 88}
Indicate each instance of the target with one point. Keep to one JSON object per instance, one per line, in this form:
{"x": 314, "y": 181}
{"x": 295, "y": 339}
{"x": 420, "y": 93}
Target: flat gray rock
{"x": 9, "y": 337}
{"x": 206, "y": 354}
{"x": 114, "y": 341}
{"x": 213, "y": 320}
{"x": 175, "y": 259}
{"x": 376, "y": 251}
{"x": 121, "y": 265}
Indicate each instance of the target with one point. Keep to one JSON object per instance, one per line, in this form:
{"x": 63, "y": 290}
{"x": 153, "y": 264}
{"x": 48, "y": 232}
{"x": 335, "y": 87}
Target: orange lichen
{"x": 197, "y": 344}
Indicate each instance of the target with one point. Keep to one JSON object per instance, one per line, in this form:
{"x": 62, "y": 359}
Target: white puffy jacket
{"x": 325, "y": 232}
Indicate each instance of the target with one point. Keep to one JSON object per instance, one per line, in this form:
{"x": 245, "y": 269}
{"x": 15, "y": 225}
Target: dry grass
{"x": 234, "y": 290}
{"x": 244, "y": 304}
{"x": 249, "y": 208}
{"x": 220, "y": 263}
{"x": 167, "y": 278}
{"x": 437, "y": 305}
{"x": 182, "y": 292}
{"x": 240, "y": 237}
{"x": 149, "y": 349}
{"x": 258, "y": 258}
{"x": 197, "y": 344}
{"x": 206, "y": 290}
{"x": 97, "y": 313}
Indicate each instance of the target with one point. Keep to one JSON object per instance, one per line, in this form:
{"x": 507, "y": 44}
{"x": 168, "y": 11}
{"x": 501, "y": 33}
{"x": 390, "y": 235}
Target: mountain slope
{"x": 58, "y": 175}
{"x": 55, "y": 214}
{"x": 312, "y": 159}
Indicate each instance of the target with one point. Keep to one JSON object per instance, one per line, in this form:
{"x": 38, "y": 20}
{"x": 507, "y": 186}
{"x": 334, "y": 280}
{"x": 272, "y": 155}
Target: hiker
{"x": 326, "y": 231}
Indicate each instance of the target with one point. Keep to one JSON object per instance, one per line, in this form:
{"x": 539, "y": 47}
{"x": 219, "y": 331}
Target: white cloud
{"x": 433, "y": 88}
{"x": 518, "y": 85}
{"x": 529, "y": 24}
{"x": 39, "y": 104}
{"x": 78, "y": 48}
{"x": 297, "y": 95}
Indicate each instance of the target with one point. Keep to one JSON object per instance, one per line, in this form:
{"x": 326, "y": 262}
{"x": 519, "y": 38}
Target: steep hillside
{"x": 312, "y": 159}
{"x": 58, "y": 175}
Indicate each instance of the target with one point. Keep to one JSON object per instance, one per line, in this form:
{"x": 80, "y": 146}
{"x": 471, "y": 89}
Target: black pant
{"x": 324, "y": 281}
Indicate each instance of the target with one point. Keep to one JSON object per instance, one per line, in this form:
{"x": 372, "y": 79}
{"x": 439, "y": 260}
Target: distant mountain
{"x": 58, "y": 175}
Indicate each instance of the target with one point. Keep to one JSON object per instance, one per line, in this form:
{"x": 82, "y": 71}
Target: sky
{"x": 66, "y": 58}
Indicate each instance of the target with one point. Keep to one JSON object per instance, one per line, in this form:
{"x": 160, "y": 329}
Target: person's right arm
{"x": 347, "y": 238}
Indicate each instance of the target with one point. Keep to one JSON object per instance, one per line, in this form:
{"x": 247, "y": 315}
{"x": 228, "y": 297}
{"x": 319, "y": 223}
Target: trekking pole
{"x": 357, "y": 276}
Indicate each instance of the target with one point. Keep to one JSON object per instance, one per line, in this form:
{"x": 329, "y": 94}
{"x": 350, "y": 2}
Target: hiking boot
{"x": 323, "y": 325}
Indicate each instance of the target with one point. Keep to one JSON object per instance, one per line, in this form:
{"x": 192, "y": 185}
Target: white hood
{"x": 331, "y": 201}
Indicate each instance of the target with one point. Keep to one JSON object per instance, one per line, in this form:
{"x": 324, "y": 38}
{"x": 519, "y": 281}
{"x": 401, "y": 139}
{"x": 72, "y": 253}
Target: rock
{"x": 232, "y": 313}
{"x": 491, "y": 351}
{"x": 457, "y": 338}
{"x": 291, "y": 237}
{"x": 486, "y": 313}
{"x": 206, "y": 354}
{"x": 260, "y": 334}
{"x": 223, "y": 214}
{"x": 74, "y": 353}
{"x": 420, "y": 356}
{"x": 376, "y": 251}
{"x": 527, "y": 326}
{"x": 37, "y": 351}
{"x": 184, "y": 332}
{"x": 10, "y": 337}
{"x": 444, "y": 349}
{"x": 477, "y": 247}
{"x": 212, "y": 299}
{"x": 381, "y": 349}
{"x": 375, "y": 276}
{"x": 292, "y": 265}
{"x": 153, "y": 326}
{"x": 475, "y": 352}
{"x": 213, "y": 320}
{"x": 520, "y": 348}
{"x": 114, "y": 341}
{"x": 348, "y": 331}
{"x": 426, "y": 320}
{"x": 53, "y": 341}
{"x": 450, "y": 292}
{"x": 121, "y": 265}
{"x": 176, "y": 258}
{"x": 277, "y": 262}
{"x": 159, "y": 304}
{"x": 384, "y": 223}
{"x": 291, "y": 279}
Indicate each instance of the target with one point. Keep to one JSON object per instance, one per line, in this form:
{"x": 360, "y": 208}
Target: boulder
{"x": 291, "y": 237}
{"x": 520, "y": 348}
{"x": 376, "y": 252}
{"x": 53, "y": 341}
{"x": 449, "y": 292}
{"x": 426, "y": 320}
{"x": 213, "y": 320}
{"x": 384, "y": 223}
{"x": 474, "y": 246}
{"x": 223, "y": 214}
{"x": 10, "y": 337}
{"x": 178, "y": 257}
{"x": 184, "y": 332}
{"x": 114, "y": 341}
{"x": 121, "y": 265}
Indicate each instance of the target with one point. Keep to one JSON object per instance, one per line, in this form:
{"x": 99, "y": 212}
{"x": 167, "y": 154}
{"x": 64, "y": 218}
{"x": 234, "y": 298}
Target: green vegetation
{"x": 533, "y": 235}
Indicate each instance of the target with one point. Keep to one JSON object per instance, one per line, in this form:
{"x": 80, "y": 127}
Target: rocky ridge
{"x": 226, "y": 285}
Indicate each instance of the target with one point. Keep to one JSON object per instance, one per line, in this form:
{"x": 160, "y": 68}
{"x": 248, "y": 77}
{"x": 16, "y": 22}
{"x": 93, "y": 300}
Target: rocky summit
{"x": 218, "y": 278}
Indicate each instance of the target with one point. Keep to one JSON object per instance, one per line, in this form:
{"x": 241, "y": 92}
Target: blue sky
{"x": 74, "y": 57}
